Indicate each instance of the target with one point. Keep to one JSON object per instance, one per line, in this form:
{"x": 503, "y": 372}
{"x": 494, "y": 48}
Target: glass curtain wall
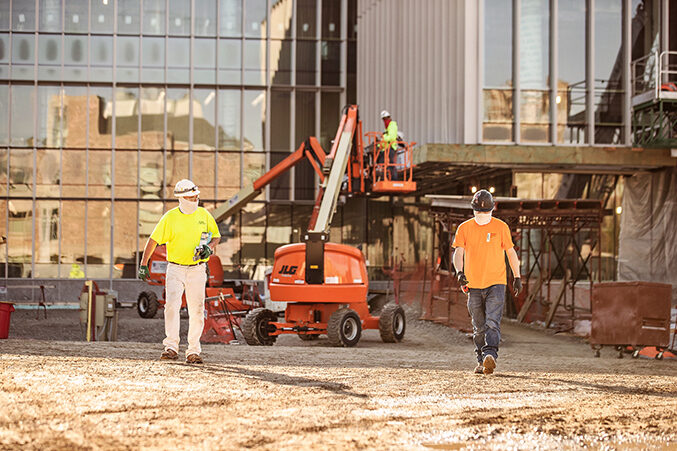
{"x": 104, "y": 106}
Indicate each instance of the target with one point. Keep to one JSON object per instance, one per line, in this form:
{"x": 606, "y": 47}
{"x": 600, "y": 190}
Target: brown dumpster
{"x": 631, "y": 314}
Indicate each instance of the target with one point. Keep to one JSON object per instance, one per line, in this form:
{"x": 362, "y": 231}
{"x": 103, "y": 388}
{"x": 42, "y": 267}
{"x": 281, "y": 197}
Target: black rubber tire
{"x": 308, "y": 337}
{"x": 344, "y": 328}
{"x": 255, "y": 327}
{"x": 147, "y": 304}
{"x": 392, "y": 324}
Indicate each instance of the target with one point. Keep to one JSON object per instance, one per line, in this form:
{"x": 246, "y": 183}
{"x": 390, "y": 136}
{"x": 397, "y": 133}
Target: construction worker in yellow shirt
{"x": 389, "y": 142}
{"x": 191, "y": 235}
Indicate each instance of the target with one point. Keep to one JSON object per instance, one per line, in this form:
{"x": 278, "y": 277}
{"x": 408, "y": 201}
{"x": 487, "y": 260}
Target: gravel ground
{"x": 549, "y": 392}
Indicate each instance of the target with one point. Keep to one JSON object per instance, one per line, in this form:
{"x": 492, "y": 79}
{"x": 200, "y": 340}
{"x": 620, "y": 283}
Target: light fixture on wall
{"x": 473, "y": 189}
{"x": 492, "y": 189}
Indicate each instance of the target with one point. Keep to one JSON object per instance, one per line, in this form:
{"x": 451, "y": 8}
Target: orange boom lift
{"x": 325, "y": 284}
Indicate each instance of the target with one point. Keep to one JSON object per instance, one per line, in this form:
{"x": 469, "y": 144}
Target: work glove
{"x": 205, "y": 252}
{"x": 517, "y": 285}
{"x": 462, "y": 280}
{"x": 143, "y": 272}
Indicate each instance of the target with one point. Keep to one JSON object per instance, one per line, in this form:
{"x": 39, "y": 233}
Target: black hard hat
{"x": 482, "y": 201}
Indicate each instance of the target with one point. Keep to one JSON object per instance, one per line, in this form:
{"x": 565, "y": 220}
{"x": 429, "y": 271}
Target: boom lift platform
{"x": 325, "y": 284}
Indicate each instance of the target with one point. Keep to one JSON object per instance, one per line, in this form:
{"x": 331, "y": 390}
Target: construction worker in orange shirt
{"x": 479, "y": 258}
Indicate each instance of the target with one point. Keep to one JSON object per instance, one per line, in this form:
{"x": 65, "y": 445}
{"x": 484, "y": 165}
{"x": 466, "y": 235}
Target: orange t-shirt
{"x": 485, "y": 247}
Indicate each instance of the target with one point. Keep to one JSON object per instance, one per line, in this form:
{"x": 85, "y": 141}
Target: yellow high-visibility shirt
{"x": 182, "y": 232}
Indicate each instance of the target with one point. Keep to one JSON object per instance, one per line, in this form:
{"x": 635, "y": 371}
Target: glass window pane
{"x": 331, "y": 19}
{"x": 4, "y": 115}
{"x": 331, "y": 63}
{"x": 48, "y": 173}
{"x": 278, "y": 230}
{"x": 535, "y": 114}
{"x": 47, "y": 238}
{"x": 304, "y": 177}
{"x": 204, "y": 119}
{"x": 22, "y": 111}
{"x": 23, "y": 48}
{"x": 231, "y": 17}
{"x": 50, "y": 127}
{"x": 101, "y": 58}
{"x": 75, "y": 58}
{"x": 152, "y": 118}
{"x": 253, "y": 229}
{"x": 255, "y": 18}
{"x": 21, "y": 172}
{"x": 609, "y": 91}
{"x": 4, "y": 49}
{"x": 176, "y": 169}
{"x": 254, "y": 62}
{"x": 102, "y": 17}
{"x": 151, "y": 172}
{"x": 280, "y": 136}
{"x": 205, "y": 18}
{"x": 154, "y": 17}
{"x": 4, "y": 25}
{"x": 19, "y": 237}
{"x": 329, "y": 119}
{"x": 204, "y": 164}
{"x": 498, "y": 115}
{"x": 49, "y": 57}
{"x": 23, "y": 16}
{"x": 228, "y": 174}
{"x": 230, "y": 61}
{"x": 204, "y": 59}
{"x": 178, "y": 107}
{"x": 280, "y": 19}
{"x": 153, "y": 60}
{"x": 125, "y": 174}
{"x": 149, "y": 215}
{"x": 178, "y": 60}
{"x": 179, "y": 17}
{"x": 306, "y": 19}
{"x": 99, "y": 173}
{"x": 98, "y": 239}
{"x": 280, "y": 62}
{"x": 571, "y": 72}
{"x": 50, "y": 15}
{"x": 125, "y": 239}
{"x": 128, "y": 16}
{"x": 72, "y": 235}
{"x": 254, "y": 119}
{"x": 128, "y": 59}
{"x": 229, "y": 119}
{"x": 74, "y": 172}
{"x": 76, "y": 17}
{"x": 126, "y": 118}
{"x": 100, "y": 106}
{"x": 74, "y": 119}
{"x": 305, "y": 62}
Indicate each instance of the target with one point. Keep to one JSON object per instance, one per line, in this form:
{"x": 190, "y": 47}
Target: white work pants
{"x": 192, "y": 279}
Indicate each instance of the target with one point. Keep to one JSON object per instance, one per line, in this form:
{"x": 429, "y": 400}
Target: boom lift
{"x": 325, "y": 284}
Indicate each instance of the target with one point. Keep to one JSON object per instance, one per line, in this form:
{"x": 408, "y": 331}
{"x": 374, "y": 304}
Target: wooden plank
{"x": 529, "y": 300}
{"x": 554, "y": 305}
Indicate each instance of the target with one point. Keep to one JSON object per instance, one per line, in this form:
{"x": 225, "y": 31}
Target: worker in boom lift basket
{"x": 479, "y": 260}
{"x": 191, "y": 235}
{"x": 389, "y": 142}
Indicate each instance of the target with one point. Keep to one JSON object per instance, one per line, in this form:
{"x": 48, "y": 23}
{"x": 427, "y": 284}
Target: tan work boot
{"x": 194, "y": 358}
{"x": 479, "y": 369}
{"x": 489, "y": 364}
{"x": 169, "y": 354}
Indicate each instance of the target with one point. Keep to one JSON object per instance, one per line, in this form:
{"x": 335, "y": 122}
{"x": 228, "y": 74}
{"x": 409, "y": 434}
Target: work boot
{"x": 479, "y": 369}
{"x": 194, "y": 358}
{"x": 169, "y": 354}
{"x": 489, "y": 364}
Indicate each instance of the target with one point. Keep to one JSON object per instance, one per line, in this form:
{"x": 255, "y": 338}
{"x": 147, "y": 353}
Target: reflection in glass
{"x": 204, "y": 60}
{"x": 205, "y": 18}
{"x": 151, "y": 172}
{"x": 101, "y": 16}
{"x": 331, "y": 19}
{"x": 305, "y": 62}
{"x": 101, "y": 58}
{"x": 49, "y": 57}
{"x": 280, "y": 62}
{"x": 4, "y": 25}
{"x": 329, "y": 118}
{"x": 75, "y": 58}
{"x": 228, "y": 174}
{"x": 23, "y": 48}
{"x": 23, "y": 16}
{"x": 74, "y": 172}
{"x": 153, "y": 61}
{"x": 301, "y": 217}
{"x": 153, "y": 17}
{"x": 278, "y": 230}
{"x": 149, "y": 215}
{"x": 229, "y": 120}
{"x": 280, "y": 135}
{"x": 204, "y": 119}
{"x": 21, "y": 112}
{"x": 126, "y": 118}
{"x": 99, "y": 173}
{"x": 178, "y": 106}
{"x": 497, "y": 95}
{"x": 179, "y": 17}
{"x": 204, "y": 164}
{"x": 306, "y": 18}
{"x": 74, "y": 117}
{"x": 178, "y": 60}
{"x": 98, "y": 239}
{"x": 126, "y": 178}
{"x": 4, "y": 116}
{"x": 535, "y": 114}
{"x": 48, "y": 172}
{"x": 124, "y": 240}
{"x": 128, "y": 16}
{"x": 127, "y": 59}
{"x": 46, "y": 238}
{"x": 72, "y": 234}
{"x": 304, "y": 176}
{"x": 254, "y": 62}
{"x": 50, "y": 15}
{"x": 100, "y": 107}
{"x": 231, "y": 17}
{"x": 331, "y": 63}
{"x": 230, "y": 61}
{"x": 571, "y": 71}
{"x": 609, "y": 91}
{"x": 152, "y": 118}
{"x": 19, "y": 237}
{"x": 21, "y": 172}
{"x": 534, "y": 69}
{"x": 254, "y": 117}
{"x": 175, "y": 170}
{"x": 255, "y": 18}
{"x": 50, "y": 127}
{"x": 281, "y": 18}
{"x": 76, "y": 17}
{"x": 4, "y": 49}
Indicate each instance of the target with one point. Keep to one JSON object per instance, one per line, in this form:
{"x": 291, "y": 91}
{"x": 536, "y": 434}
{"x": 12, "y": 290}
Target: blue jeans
{"x": 485, "y": 306}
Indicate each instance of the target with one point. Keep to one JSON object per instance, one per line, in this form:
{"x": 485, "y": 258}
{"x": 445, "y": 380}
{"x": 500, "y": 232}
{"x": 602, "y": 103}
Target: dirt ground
{"x": 549, "y": 392}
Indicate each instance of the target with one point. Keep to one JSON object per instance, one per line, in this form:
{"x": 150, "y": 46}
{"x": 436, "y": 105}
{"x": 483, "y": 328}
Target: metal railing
{"x": 653, "y": 72}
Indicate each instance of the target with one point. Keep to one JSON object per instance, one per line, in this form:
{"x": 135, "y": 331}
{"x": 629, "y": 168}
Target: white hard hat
{"x": 185, "y": 188}
{"x": 384, "y": 114}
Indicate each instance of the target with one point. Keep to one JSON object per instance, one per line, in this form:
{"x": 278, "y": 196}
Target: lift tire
{"x": 344, "y": 328}
{"x": 308, "y": 337}
{"x": 392, "y": 323}
{"x": 255, "y": 327}
{"x": 147, "y": 304}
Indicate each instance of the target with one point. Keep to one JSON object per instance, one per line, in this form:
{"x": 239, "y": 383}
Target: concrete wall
{"x": 420, "y": 61}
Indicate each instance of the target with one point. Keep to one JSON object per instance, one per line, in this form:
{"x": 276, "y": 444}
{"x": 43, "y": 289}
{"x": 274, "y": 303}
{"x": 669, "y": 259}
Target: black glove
{"x": 205, "y": 252}
{"x": 462, "y": 280}
{"x": 517, "y": 285}
{"x": 143, "y": 272}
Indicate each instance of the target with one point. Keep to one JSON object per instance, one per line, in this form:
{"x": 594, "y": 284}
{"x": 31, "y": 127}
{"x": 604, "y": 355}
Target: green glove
{"x": 205, "y": 252}
{"x": 143, "y": 272}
